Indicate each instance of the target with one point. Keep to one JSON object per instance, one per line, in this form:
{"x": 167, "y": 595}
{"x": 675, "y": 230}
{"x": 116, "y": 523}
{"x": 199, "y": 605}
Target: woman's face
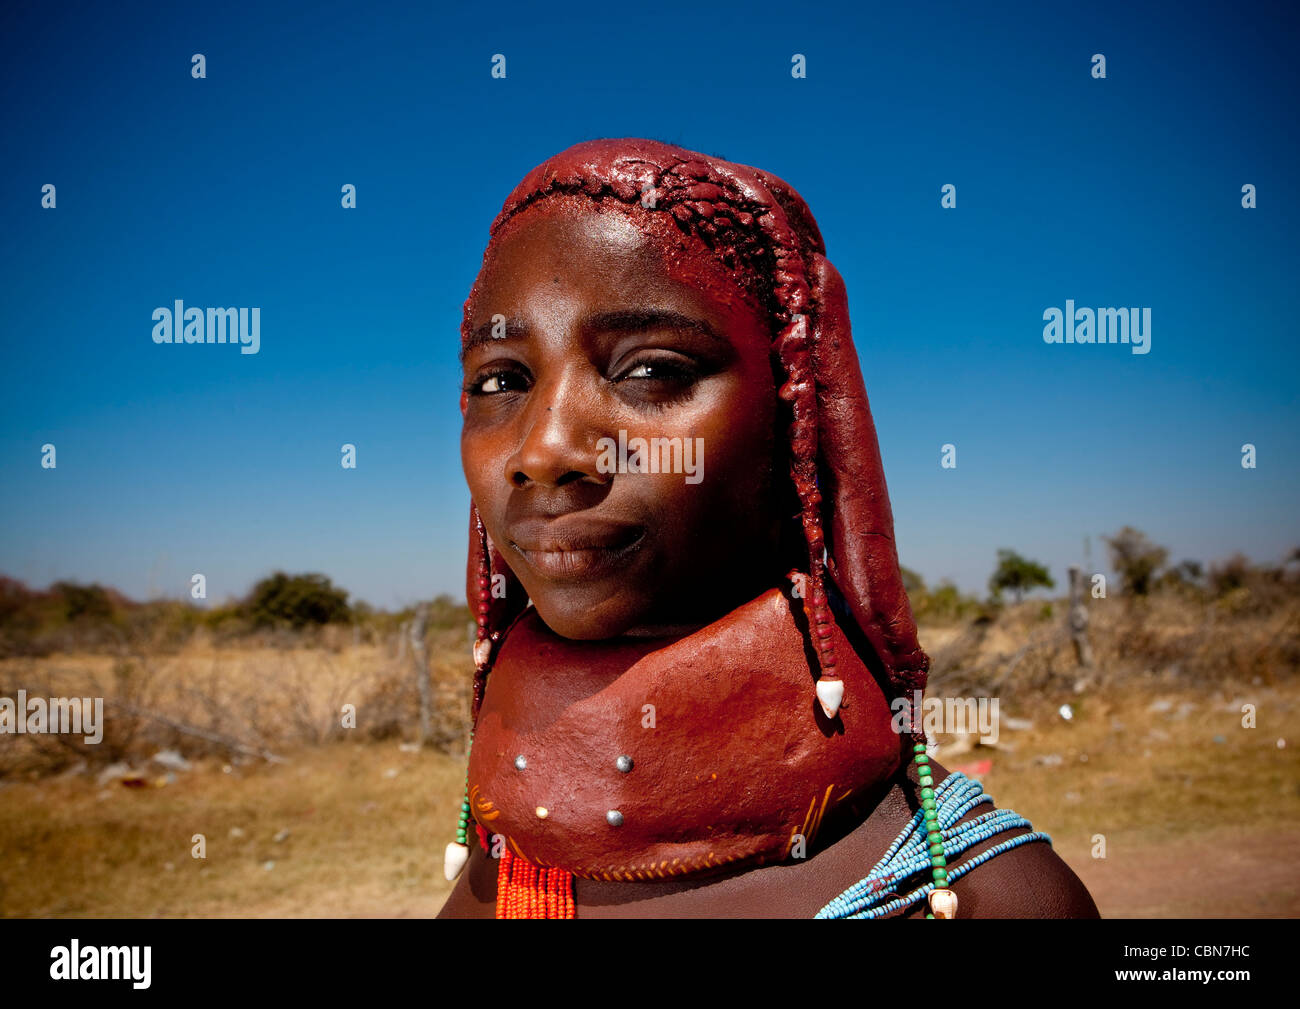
{"x": 586, "y": 333}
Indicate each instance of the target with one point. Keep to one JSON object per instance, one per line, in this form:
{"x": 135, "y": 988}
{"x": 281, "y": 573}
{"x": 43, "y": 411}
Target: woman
{"x": 670, "y": 454}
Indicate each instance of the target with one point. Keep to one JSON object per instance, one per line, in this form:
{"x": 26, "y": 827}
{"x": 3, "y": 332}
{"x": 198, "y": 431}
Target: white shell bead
{"x": 454, "y": 860}
{"x": 943, "y": 903}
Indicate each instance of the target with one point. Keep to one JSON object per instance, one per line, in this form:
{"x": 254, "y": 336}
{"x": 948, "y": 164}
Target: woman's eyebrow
{"x": 513, "y": 329}
{"x": 635, "y": 320}
{"x": 623, "y": 320}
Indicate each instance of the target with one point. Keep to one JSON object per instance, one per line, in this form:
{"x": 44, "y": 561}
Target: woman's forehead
{"x": 607, "y": 252}
{"x": 567, "y": 228}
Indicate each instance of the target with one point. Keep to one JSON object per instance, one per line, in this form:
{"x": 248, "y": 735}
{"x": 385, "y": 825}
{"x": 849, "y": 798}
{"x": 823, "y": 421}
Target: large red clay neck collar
{"x": 643, "y": 760}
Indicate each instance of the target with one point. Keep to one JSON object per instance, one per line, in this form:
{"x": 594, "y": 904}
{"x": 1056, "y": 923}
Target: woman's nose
{"x": 559, "y": 440}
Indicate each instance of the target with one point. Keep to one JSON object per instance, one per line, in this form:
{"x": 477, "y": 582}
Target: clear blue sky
{"x": 225, "y": 191}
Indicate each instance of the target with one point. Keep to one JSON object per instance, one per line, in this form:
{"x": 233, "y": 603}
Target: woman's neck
{"x": 737, "y": 586}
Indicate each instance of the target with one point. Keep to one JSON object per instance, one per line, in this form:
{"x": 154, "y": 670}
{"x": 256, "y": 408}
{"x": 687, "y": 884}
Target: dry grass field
{"x": 343, "y": 829}
{"x": 1195, "y": 809}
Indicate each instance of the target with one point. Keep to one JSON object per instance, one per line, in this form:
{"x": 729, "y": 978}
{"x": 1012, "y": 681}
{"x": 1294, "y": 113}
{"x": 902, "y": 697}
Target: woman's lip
{"x": 578, "y": 551}
{"x": 572, "y": 532}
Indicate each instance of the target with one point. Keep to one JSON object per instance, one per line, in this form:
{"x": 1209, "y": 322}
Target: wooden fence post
{"x": 1079, "y": 618}
{"x": 420, "y": 658}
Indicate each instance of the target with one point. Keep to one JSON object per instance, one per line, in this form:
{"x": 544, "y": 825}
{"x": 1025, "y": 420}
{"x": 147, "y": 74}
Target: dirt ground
{"x": 1196, "y": 813}
{"x": 1223, "y": 873}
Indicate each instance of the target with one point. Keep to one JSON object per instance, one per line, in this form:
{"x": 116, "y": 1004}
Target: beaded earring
{"x": 457, "y": 853}
{"x": 943, "y": 902}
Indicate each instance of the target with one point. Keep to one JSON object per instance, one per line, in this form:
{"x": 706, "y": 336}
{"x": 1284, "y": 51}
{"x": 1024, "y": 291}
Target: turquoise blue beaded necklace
{"x": 926, "y": 844}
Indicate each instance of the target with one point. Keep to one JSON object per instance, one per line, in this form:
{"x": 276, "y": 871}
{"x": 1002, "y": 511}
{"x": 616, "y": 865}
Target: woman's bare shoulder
{"x": 1027, "y": 881}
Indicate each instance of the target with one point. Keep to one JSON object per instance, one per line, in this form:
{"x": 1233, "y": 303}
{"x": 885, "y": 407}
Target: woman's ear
{"x": 863, "y": 559}
{"x": 507, "y": 596}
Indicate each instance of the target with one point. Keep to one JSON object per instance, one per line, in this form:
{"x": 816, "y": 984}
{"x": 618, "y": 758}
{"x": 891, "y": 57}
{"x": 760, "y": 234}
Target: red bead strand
{"x": 526, "y": 891}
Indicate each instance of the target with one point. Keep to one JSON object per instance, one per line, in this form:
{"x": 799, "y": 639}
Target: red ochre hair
{"x": 760, "y": 228}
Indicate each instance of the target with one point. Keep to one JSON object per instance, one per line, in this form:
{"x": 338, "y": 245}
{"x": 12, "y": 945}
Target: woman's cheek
{"x": 479, "y": 469}
{"x": 736, "y": 448}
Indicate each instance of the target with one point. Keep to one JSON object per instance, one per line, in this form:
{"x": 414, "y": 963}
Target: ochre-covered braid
{"x": 482, "y": 618}
{"x": 458, "y": 851}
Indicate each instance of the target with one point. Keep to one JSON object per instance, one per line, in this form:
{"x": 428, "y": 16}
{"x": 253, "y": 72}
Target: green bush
{"x": 1018, "y": 575}
{"x": 1135, "y": 559}
{"x": 296, "y": 601}
{"x": 944, "y": 604}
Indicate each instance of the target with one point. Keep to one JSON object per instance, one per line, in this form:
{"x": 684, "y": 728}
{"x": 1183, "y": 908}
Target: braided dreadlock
{"x": 762, "y": 231}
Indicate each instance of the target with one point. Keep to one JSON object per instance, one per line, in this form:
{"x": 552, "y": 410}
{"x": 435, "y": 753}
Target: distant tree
{"x": 15, "y": 597}
{"x": 945, "y": 603}
{"x": 1231, "y": 574}
{"x": 296, "y": 600}
{"x": 913, "y": 584}
{"x": 1182, "y": 575}
{"x": 1135, "y": 559}
{"x": 448, "y": 612}
{"x": 22, "y": 610}
{"x": 1018, "y": 575}
{"x": 84, "y": 602}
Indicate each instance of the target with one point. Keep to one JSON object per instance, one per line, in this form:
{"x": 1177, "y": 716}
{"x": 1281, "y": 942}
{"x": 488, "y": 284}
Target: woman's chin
{"x": 589, "y": 613}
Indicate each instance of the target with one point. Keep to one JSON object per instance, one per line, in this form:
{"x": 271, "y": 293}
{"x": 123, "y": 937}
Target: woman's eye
{"x": 659, "y": 370}
{"x": 496, "y": 382}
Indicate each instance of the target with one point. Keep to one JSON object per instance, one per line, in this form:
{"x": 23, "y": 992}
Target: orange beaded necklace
{"x": 525, "y": 891}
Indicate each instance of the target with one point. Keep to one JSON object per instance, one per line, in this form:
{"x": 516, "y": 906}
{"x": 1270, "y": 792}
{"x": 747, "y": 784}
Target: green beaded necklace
{"x": 943, "y": 902}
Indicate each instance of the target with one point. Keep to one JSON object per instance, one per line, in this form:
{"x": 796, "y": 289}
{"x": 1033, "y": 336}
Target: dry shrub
{"x": 1251, "y": 634}
{"x": 240, "y": 703}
